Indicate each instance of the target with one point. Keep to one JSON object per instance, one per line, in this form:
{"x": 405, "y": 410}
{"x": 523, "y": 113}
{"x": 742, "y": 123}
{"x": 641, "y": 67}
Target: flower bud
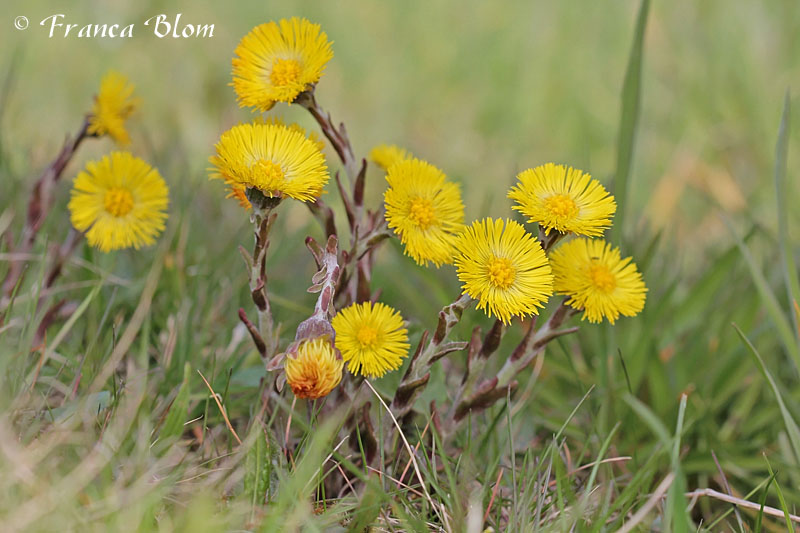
{"x": 314, "y": 369}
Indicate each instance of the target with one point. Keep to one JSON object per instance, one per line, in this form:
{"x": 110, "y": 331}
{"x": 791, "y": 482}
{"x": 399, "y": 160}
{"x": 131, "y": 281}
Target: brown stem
{"x": 337, "y": 136}
{"x": 263, "y": 218}
{"x": 39, "y": 205}
{"x": 416, "y": 377}
{"x": 62, "y": 254}
{"x": 483, "y": 395}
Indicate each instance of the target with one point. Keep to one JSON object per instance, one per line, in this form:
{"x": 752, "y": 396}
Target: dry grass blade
{"x": 416, "y": 449}
{"x": 642, "y": 513}
{"x": 711, "y": 493}
{"x": 221, "y": 408}
{"x": 494, "y": 494}
{"x": 406, "y": 444}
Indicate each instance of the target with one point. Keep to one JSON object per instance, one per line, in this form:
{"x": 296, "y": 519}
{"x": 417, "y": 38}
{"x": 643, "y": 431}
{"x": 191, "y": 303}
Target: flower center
{"x": 561, "y": 205}
{"x": 501, "y": 272}
{"x": 602, "y": 278}
{"x": 118, "y": 201}
{"x": 367, "y": 336}
{"x": 267, "y": 176}
{"x": 285, "y": 72}
{"x": 421, "y": 212}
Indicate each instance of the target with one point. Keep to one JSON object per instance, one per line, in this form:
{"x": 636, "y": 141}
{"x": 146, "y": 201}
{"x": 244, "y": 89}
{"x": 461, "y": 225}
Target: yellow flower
{"x": 372, "y": 338}
{"x": 113, "y": 105}
{"x": 597, "y": 280}
{"x": 424, "y": 210}
{"x": 239, "y": 191}
{"x": 315, "y": 370}
{"x": 277, "y": 61}
{"x": 278, "y": 121}
{"x": 386, "y": 155}
{"x": 277, "y": 160}
{"x": 563, "y": 199}
{"x": 119, "y": 201}
{"x": 505, "y": 270}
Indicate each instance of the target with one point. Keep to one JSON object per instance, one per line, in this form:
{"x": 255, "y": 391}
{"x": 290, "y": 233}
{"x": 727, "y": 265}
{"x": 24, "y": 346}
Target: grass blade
{"x": 784, "y": 508}
{"x": 787, "y": 258}
{"x": 761, "y": 501}
{"x": 677, "y": 516}
{"x": 785, "y": 332}
{"x": 791, "y": 426}
{"x": 178, "y": 412}
{"x": 629, "y": 118}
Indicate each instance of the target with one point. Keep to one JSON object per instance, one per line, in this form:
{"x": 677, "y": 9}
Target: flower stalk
{"x": 39, "y": 205}
{"x": 263, "y": 218}
{"x": 418, "y": 373}
{"x": 367, "y": 229}
{"x": 474, "y": 396}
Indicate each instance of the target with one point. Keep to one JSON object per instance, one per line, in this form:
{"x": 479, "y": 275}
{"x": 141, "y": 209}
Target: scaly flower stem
{"x": 534, "y": 343}
{"x": 480, "y": 396}
{"x": 263, "y": 219}
{"x": 337, "y": 137}
{"x": 40, "y": 203}
{"x": 418, "y": 372}
{"x": 365, "y": 231}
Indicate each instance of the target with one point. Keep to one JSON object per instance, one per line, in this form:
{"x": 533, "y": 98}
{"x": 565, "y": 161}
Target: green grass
{"x": 612, "y": 426}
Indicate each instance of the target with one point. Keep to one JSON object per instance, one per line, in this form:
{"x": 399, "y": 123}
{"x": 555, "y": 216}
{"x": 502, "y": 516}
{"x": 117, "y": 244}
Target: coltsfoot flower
{"x": 386, "y": 155}
{"x": 504, "y": 268}
{"x": 372, "y": 338}
{"x": 120, "y": 202}
{"x": 597, "y": 280}
{"x": 238, "y": 191}
{"x": 113, "y": 105}
{"x": 275, "y": 159}
{"x": 424, "y": 210}
{"x": 564, "y": 199}
{"x": 277, "y": 61}
{"x": 314, "y": 370}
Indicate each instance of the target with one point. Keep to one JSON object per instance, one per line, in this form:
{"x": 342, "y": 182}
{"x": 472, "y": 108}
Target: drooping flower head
{"x": 314, "y": 370}
{"x": 277, "y": 61}
{"x": 424, "y": 210}
{"x": 237, "y": 190}
{"x": 597, "y": 280}
{"x": 504, "y": 268}
{"x": 564, "y": 199}
{"x": 113, "y": 104}
{"x": 386, "y": 155}
{"x": 277, "y": 160}
{"x": 372, "y": 338}
{"x": 120, "y": 202}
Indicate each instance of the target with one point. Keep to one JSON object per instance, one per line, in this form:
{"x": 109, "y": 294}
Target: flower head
{"x": 277, "y": 160}
{"x": 424, "y": 210}
{"x": 113, "y": 105}
{"x": 597, "y": 280}
{"x": 372, "y": 338}
{"x": 237, "y": 190}
{"x": 563, "y": 199}
{"x": 504, "y": 268}
{"x": 119, "y": 201}
{"x": 386, "y": 155}
{"x": 314, "y": 370}
{"x": 277, "y": 61}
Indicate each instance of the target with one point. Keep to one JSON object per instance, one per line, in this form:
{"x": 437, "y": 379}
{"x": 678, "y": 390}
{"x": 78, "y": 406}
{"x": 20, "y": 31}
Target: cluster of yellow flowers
{"x": 276, "y": 62}
{"x": 500, "y": 264}
{"x": 119, "y": 201}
